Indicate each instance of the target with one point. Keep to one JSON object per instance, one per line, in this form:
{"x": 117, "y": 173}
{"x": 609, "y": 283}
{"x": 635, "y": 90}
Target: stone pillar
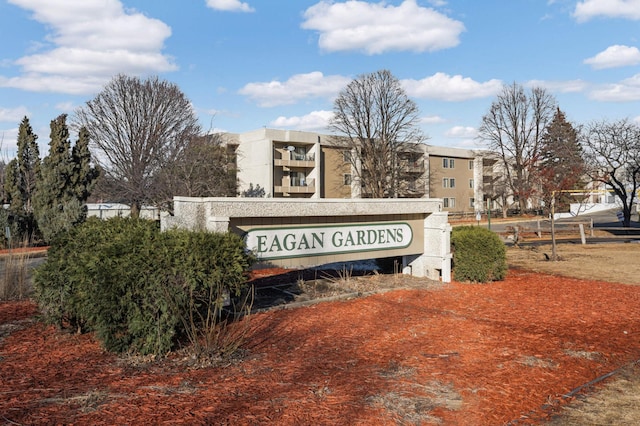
{"x": 217, "y": 224}
{"x": 435, "y": 261}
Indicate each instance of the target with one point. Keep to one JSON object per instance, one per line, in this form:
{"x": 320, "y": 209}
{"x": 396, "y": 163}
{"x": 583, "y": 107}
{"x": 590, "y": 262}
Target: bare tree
{"x": 612, "y": 153}
{"x": 377, "y": 123}
{"x": 205, "y": 167}
{"x": 514, "y": 127}
{"x": 137, "y": 128}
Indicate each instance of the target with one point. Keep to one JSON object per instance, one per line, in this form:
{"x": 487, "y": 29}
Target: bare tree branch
{"x": 513, "y": 127}
{"x": 612, "y": 151}
{"x": 137, "y": 128}
{"x": 377, "y": 122}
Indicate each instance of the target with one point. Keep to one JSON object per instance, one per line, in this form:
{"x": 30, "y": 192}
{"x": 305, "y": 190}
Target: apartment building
{"x": 456, "y": 176}
{"x": 285, "y": 163}
{"x": 298, "y": 164}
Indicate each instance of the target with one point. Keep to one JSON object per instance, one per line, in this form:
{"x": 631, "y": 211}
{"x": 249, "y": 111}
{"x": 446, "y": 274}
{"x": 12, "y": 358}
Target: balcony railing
{"x": 292, "y": 159}
{"x": 296, "y": 186}
{"x": 412, "y": 166}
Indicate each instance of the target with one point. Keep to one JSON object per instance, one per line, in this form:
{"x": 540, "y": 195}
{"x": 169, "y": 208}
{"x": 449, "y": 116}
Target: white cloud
{"x": 378, "y": 27}
{"x": 432, "y": 119}
{"x": 316, "y": 120}
{"x": 65, "y": 106}
{"x": 8, "y": 141}
{"x": 567, "y": 86}
{"x": 13, "y": 115}
{"x": 462, "y": 132}
{"x": 627, "y": 90}
{"x": 615, "y": 56}
{"x": 230, "y": 5}
{"x": 450, "y": 88}
{"x": 588, "y": 9}
{"x": 89, "y": 41}
{"x": 298, "y": 87}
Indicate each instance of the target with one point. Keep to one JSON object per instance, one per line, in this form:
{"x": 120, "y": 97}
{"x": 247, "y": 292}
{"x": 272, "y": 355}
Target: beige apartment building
{"x": 456, "y": 176}
{"x": 298, "y": 164}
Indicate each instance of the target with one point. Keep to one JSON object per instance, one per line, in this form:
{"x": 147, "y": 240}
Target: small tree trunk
{"x": 135, "y": 210}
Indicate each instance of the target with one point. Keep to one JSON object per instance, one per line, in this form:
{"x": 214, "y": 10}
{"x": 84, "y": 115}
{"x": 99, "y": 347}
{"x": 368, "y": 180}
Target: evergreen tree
{"x": 561, "y": 165}
{"x": 21, "y": 176}
{"x": 84, "y": 175}
{"x": 67, "y": 180}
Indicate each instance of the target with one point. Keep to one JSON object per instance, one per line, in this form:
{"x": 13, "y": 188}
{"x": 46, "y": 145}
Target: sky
{"x": 249, "y": 64}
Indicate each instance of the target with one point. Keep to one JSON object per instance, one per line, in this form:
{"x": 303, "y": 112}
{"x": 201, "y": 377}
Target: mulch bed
{"x": 454, "y": 354}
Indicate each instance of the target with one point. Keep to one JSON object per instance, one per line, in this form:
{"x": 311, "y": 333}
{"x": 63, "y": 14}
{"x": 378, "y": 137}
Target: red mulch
{"x": 505, "y": 353}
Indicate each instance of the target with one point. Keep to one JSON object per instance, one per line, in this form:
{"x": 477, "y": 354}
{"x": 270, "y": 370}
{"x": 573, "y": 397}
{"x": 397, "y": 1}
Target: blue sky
{"x": 280, "y": 63}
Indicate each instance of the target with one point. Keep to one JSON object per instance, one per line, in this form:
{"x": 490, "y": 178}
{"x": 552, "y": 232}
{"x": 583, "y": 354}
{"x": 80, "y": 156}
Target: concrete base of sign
{"x": 427, "y": 255}
{"x": 435, "y": 261}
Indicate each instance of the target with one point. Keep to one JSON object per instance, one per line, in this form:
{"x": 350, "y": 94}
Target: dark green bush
{"x": 135, "y": 286}
{"x": 478, "y": 255}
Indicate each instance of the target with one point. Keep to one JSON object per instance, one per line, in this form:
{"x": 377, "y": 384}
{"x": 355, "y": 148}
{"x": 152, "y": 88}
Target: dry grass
{"x": 615, "y": 401}
{"x": 613, "y": 262}
{"x": 15, "y": 276}
{"x": 413, "y": 403}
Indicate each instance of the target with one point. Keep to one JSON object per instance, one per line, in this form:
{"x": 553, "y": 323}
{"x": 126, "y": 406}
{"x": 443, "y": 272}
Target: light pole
{"x": 554, "y": 256}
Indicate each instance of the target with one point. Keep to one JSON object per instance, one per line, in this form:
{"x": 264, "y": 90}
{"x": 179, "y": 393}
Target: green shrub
{"x": 135, "y": 286}
{"x": 478, "y": 255}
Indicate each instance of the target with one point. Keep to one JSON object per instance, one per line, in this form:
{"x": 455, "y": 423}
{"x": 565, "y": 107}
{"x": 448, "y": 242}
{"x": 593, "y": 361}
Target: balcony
{"x": 412, "y": 167}
{"x": 294, "y": 159}
{"x": 295, "y": 186}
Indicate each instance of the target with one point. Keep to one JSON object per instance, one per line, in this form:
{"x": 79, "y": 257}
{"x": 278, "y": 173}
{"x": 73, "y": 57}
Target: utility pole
{"x": 554, "y": 256}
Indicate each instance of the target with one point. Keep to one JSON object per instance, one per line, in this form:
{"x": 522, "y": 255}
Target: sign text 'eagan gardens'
{"x": 274, "y": 243}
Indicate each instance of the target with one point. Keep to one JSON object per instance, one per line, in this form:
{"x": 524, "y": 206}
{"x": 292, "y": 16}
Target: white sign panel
{"x": 277, "y": 243}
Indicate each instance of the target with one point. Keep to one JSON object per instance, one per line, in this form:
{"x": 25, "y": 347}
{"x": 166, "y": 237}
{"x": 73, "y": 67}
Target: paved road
{"x": 606, "y": 219}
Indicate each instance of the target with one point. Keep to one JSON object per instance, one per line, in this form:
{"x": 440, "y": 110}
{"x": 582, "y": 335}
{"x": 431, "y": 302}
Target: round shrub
{"x": 478, "y": 255}
{"x": 134, "y": 286}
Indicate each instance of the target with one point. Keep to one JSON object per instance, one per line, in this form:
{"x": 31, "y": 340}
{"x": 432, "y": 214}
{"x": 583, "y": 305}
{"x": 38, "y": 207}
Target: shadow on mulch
{"x": 302, "y": 287}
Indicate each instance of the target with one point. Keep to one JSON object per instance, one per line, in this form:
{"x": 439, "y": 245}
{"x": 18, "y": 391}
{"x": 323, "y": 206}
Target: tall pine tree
{"x": 21, "y": 176}
{"x": 84, "y": 175}
{"x": 561, "y": 166}
{"x": 66, "y": 182}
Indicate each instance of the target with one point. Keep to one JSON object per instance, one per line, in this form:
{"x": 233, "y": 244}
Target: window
{"x": 470, "y": 183}
{"x": 470, "y": 164}
{"x": 448, "y": 163}
{"x": 472, "y": 202}
{"x": 298, "y": 179}
{"x": 449, "y": 202}
{"x": 346, "y": 156}
{"x": 445, "y": 182}
{"x": 452, "y": 182}
{"x": 452, "y": 202}
{"x": 347, "y": 179}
